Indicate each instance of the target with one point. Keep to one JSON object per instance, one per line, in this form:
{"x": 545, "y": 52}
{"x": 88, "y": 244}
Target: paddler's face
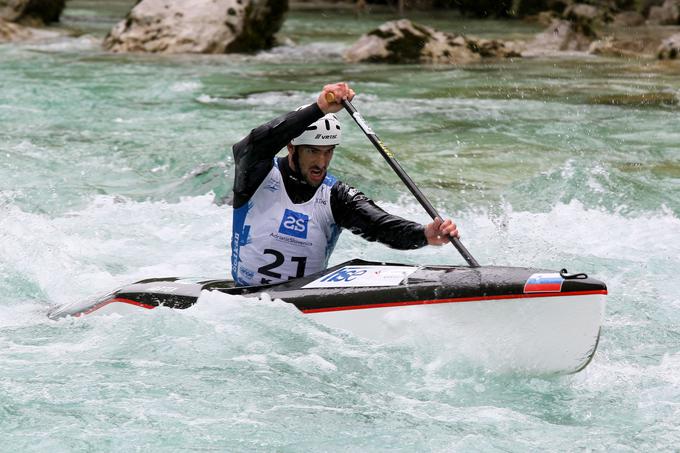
{"x": 314, "y": 162}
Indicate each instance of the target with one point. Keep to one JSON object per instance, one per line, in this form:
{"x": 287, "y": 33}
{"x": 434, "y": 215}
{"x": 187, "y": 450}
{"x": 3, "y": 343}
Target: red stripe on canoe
{"x": 454, "y": 300}
{"x": 117, "y": 299}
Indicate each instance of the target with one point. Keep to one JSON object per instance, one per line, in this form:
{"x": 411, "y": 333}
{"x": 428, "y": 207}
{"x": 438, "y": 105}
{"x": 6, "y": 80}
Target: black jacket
{"x": 351, "y": 209}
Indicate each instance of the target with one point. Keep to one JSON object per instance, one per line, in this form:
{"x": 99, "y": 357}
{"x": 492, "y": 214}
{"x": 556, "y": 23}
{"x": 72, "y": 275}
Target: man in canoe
{"x": 289, "y": 211}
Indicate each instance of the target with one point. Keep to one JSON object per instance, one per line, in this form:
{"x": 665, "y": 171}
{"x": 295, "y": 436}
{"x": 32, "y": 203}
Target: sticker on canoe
{"x": 362, "y": 276}
{"x": 544, "y": 283}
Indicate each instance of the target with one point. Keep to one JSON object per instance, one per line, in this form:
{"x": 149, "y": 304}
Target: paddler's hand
{"x": 439, "y": 232}
{"x": 340, "y": 91}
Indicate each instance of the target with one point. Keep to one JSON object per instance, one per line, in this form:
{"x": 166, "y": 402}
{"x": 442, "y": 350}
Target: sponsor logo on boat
{"x": 344, "y": 275}
{"x": 363, "y": 276}
{"x": 294, "y": 224}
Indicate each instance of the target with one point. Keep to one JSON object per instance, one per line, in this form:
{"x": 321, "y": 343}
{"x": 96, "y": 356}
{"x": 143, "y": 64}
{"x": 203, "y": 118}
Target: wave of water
{"x": 256, "y": 375}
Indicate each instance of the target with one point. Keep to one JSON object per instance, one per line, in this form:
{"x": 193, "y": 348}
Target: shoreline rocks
{"x": 198, "y": 26}
{"x": 223, "y": 26}
{"x": 22, "y": 20}
{"x": 669, "y": 48}
{"x": 604, "y": 31}
{"x": 11, "y": 32}
{"x": 402, "y": 41}
{"x": 666, "y": 14}
{"x": 611, "y": 47}
{"x": 628, "y": 19}
{"x": 562, "y": 35}
{"x": 33, "y": 13}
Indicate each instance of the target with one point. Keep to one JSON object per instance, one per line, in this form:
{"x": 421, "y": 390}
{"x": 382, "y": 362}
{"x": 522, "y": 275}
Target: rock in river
{"x": 561, "y": 35}
{"x": 666, "y": 14}
{"x": 31, "y": 12}
{"x": 402, "y": 41}
{"x": 669, "y": 48}
{"x": 11, "y": 32}
{"x": 198, "y": 26}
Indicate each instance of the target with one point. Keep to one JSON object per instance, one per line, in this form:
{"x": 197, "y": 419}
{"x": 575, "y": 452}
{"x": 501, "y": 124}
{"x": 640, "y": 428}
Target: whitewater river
{"x": 113, "y": 169}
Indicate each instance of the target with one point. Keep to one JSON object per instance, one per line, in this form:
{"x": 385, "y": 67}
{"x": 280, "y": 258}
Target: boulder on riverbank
{"x": 585, "y": 14}
{"x": 560, "y": 36}
{"x": 198, "y": 26}
{"x": 669, "y": 48}
{"x": 628, "y": 19}
{"x": 402, "y": 41}
{"x": 666, "y": 14}
{"x": 31, "y": 12}
{"x": 11, "y": 32}
{"x": 573, "y": 31}
{"x": 612, "y": 47}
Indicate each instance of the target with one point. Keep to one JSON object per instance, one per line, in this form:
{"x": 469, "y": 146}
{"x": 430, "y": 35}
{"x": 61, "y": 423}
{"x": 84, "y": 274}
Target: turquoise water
{"x": 110, "y": 168}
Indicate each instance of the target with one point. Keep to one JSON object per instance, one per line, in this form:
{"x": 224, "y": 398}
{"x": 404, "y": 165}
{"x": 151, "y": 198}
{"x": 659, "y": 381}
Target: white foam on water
{"x": 113, "y": 241}
{"x": 261, "y": 101}
{"x": 323, "y": 52}
{"x": 57, "y": 43}
{"x": 207, "y": 99}
{"x": 186, "y": 86}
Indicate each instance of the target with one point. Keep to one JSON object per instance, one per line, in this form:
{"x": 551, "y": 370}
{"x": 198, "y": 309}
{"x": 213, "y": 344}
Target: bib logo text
{"x": 294, "y": 224}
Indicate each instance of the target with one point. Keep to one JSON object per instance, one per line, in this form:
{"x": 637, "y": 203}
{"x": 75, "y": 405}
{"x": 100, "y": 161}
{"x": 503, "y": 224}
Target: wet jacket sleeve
{"x": 359, "y": 214}
{"x": 253, "y": 155}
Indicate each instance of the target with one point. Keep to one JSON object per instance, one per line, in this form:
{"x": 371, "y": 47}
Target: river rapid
{"x": 114, "y": 168}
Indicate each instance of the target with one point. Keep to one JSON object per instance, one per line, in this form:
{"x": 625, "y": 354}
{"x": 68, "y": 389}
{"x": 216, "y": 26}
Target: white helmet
{"x": 325, "y": 131}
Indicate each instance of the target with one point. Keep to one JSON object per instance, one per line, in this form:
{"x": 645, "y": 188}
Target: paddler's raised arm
{"x": 266, "y": 140}
{"x": 253, "y": 155}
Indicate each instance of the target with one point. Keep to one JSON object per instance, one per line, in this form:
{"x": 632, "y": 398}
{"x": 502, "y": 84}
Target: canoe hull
{"x": 508, "y": 318}
{"x": 555, "y": 334}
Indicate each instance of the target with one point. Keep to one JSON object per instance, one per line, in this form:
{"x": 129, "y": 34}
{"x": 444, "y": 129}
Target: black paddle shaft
{"x": 389, "y": 157}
